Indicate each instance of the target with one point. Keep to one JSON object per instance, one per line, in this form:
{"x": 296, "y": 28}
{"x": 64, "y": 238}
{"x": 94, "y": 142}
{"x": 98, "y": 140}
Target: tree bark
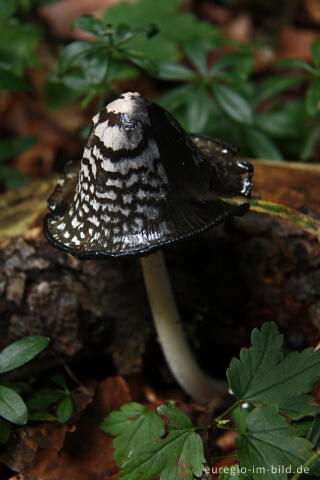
{"x": 227, "y": 281}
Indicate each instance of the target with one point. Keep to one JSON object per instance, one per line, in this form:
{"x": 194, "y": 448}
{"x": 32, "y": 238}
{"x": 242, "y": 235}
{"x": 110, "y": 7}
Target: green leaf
{"x": 141, "y": 61}
{"x": 95, "y": 67}
{"x": 11, "y": 82}
{"x": 41, "y": 417}
{"x": 178, "y": 456}
{"x": 65, "y": 409}
{"x": 316, "y": 52}
{"x": 310, "y": 143}
{"x": 197, "y": 55}
{"x": 12, "y": 407}
{"x": 232, "y": 473}
{"x": 239, "y": 417}
{"x": 280, "y": 123}
{"x": 198, "y": 109}
{"x": 61, "y": 381}
{"x": 12, "y": 147}
{"x": 176, "y": 29}
{"x": 264, "y": 376}
{"x": 76, "y": 82}
{"x": 233, "y": 104}
{"x": 5, "y": 430}
{"x": 7, "y": 9}
{"x": 175, "y": 71}
{"x": 18, "y": 49}
{"x": 296, "y": 63}
{"x": 269, "y": 445}
{"x": 262, "y": 146}
{"x": 313, "y": 97}
{"x": 240, "y": 62}
{"x": 13, "y": 178}
{"x": 22, "y": 351}
{"x": 273, "y": 86}
{"x": 74, "y": 52}
{"x": 175, "y": 97}
{"x": 130, "y": 431}
{"x": 43, "y": 398}
{"x": 58, "y": 93}
{"x": 93, "y": 25}
{"x": 314, "y": 432}
{"x": 125, "y": 33}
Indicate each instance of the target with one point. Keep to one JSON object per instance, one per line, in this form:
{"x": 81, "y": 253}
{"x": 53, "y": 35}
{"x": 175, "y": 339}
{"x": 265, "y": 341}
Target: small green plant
{"x": 19, "y": 40}
{"x": 311, "y": 102}
{"x": 89, "y": 68}
{"x": 118, "y": 51}
{"x": 12, "y": 407}
{"x": 278, "y": 432}
{"x": 60, "y": 397}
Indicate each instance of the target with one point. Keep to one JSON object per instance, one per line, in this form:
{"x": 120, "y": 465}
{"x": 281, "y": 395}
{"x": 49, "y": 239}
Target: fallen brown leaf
{"x": 313, "y": 9}
{"x": 295, "y": 43}
{"x": 240, "y": 28}
{"x": 226, "y": 441}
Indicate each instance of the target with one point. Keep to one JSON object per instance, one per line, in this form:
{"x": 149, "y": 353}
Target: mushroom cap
{"x": 142, "y": 183}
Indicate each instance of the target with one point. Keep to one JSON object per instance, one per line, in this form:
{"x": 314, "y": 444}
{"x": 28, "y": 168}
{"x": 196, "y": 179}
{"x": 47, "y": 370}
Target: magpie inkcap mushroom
{"x": 143, "y": 183}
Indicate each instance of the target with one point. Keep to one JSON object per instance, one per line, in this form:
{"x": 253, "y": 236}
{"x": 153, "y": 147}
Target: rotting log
{"x": 227, "y": 281}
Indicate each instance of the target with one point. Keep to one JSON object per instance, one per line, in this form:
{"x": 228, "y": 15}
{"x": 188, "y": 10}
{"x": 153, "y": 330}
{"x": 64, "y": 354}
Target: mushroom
{"x": 144, "y": 183}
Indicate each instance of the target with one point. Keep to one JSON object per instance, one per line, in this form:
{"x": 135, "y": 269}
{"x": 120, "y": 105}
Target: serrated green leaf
{"x": 175, "y": 71}
{"x": 22, "y": 351}
{"x": 261, "y": 145}
{"x": 313, "y": 97}
{"x": 178, "y": 456}
{"x": 5, "y": 430}
{"x": 273, "y": 86}
{"x": 65, "y": 409}
{"x": 316, "y": 52}
{"x": 270, "y": 443}
{"x": 232, "y": 473}
{"x": 233, "y": 104}
{"x": 178, "y": 419}
{"x": 132, "y": 425}
{"x": 198, "y": 109}
{"x": 12, "y": 407}
{"x": 263, "y": 376}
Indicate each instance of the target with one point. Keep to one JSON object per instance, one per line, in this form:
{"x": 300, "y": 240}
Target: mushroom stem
{"x": 171, "y": 335}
